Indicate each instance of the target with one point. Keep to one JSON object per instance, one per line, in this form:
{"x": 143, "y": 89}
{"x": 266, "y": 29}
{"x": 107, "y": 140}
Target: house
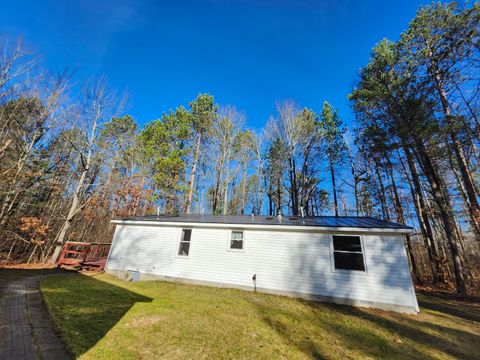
{"x": 349, "y": 260}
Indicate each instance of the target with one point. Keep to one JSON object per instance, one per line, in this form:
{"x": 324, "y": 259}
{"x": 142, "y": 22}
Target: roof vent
{"x": 279, "y": 216}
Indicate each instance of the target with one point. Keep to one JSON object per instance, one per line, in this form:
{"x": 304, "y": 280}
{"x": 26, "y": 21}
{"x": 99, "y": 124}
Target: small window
{"x": 347, "y": 253}
{"x": 184, "y": 247}
{"x": 236, "y": 242}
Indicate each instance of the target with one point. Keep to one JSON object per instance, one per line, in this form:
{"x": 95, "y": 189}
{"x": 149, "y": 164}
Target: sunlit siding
{"x": 288, "y": 261}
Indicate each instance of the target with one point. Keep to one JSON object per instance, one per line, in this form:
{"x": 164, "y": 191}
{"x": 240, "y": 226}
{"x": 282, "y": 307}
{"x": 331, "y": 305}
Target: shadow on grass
{"x": 438, "y": 303}
{"x": 343, "y": 333}
{"x": 86, "y": 308}
{"x": 303, "y": 344}
{"x": 378, "y": 336}
{"x": 416, "y": 331}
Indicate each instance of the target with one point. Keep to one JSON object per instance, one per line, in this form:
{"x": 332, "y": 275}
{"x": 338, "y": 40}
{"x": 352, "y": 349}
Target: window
{"x": 236, "y": 242}
{"x": 347, "y": 253}
{"x": 184, "y": 247}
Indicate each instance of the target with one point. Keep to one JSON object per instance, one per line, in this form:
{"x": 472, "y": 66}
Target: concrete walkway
{"x": 25, "y": 328}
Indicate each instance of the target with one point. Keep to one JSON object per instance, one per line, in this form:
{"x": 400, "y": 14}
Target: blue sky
{"x": 246, "y": 53}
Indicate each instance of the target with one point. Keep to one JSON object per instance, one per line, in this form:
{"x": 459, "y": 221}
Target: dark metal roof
{"x": 319, "y": 221}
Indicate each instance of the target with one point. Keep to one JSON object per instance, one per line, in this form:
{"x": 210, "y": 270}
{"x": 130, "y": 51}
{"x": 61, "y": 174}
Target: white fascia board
{"x": 264, "y": 227}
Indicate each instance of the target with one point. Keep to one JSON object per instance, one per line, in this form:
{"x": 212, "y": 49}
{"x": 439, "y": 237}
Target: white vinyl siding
{"x": 282, "y": 260}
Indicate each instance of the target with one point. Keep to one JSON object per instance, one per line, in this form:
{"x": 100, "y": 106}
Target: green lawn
{"x": 104, "y": 318}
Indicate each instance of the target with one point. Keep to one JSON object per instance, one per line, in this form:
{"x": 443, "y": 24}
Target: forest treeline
{"x": 71, "y": 159}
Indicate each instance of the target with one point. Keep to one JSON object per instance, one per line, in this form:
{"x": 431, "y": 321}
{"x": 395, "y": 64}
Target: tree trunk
{"x": 244, "y": 189}
{"x": 109, "y": 177}
{"x": 401, "y": 220}
{"x": 216, "y": 194}
{"x": 334, "y": 187}
{"x": 12, "y": 195}
{"x": 356, "y": 181}
{"x": 75, "y": 204}
{"x": 440, "y": 195}
{"x": 279, "y": 195}
{"x": 383, "y": 197}
{"x": 71, "y": 214}
{"x": 199, "y": 189}
{"x": 469, "y": 184}
{"x": 226, "y": 183}
{"x": 270, "y": 194}
{"x": 188, "y": 203}
{"x": 10, "y": 200}
{"x": 422, "y": 214}
{"x": 293, "y": 185}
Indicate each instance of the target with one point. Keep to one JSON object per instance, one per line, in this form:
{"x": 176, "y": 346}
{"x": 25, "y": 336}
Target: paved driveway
{"x": 25, "y": 328}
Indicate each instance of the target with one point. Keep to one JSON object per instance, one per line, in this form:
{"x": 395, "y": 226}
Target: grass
{"x": 104, "y": 318}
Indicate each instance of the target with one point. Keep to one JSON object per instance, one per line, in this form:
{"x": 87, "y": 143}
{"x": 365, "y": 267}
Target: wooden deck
{"x": 83, "y": 255}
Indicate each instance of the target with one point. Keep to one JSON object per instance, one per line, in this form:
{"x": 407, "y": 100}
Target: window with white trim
{"x": 184, "y": 246}
{"x": 348, "y": 253}
{"x": 236, "y": 240}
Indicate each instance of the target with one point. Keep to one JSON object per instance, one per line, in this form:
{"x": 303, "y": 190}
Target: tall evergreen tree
{"x": 164, "y": 148}
{"x": 204, "y": 112}
{"x": 436, "y": 46}
{"x": 334, "y": 145}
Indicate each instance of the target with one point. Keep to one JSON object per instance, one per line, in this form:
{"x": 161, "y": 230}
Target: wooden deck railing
{"x": 91, "y": 256}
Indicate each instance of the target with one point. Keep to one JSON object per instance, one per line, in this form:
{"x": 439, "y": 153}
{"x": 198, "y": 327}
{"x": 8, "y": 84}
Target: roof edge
{"x": 277, "y": 227}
